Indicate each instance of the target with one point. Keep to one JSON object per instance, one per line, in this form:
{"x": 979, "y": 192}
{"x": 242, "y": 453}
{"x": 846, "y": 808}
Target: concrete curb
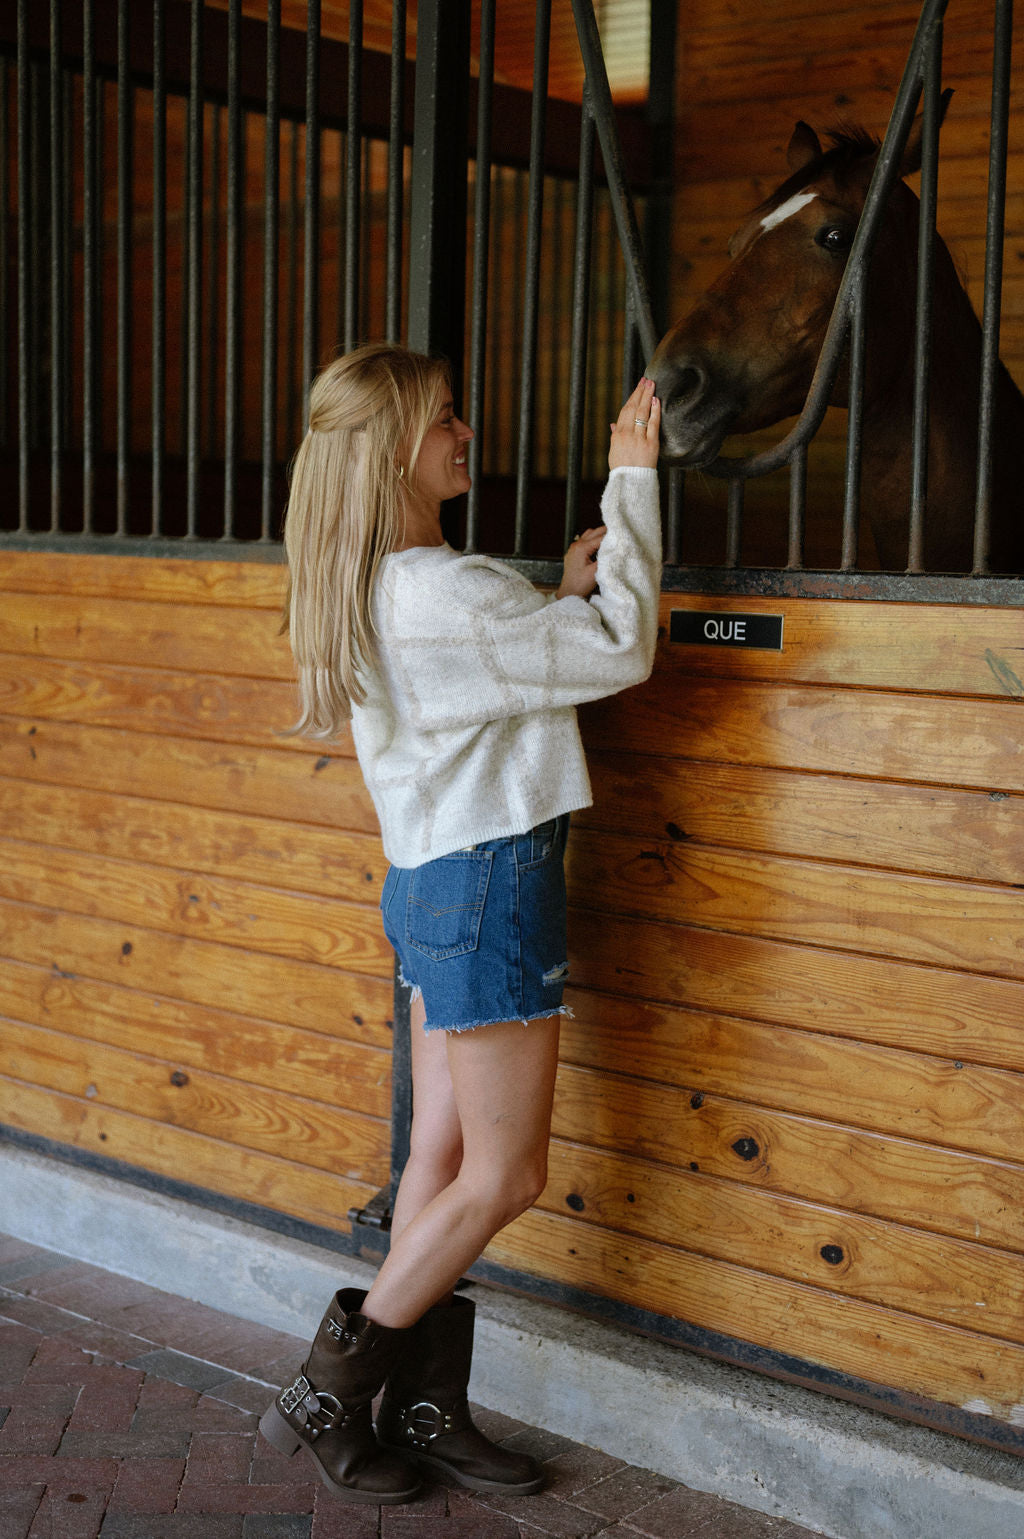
{"x": 780, "y": 1449}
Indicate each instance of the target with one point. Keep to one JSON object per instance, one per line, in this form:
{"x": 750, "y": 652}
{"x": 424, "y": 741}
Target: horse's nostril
{"x": 690, "y": 385}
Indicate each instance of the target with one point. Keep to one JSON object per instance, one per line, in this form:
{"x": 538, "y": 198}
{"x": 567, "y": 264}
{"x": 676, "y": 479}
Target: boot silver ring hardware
{"x": 425, "y": 1421}
{"x": 316, "y": 1412}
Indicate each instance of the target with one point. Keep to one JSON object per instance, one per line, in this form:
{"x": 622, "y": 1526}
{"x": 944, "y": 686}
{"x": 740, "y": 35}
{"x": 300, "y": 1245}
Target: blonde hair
{"x": 369, "y": 411}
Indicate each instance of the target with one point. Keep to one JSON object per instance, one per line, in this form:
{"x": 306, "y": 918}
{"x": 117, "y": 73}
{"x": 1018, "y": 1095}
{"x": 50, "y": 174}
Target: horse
{"x": 743, "y": 358}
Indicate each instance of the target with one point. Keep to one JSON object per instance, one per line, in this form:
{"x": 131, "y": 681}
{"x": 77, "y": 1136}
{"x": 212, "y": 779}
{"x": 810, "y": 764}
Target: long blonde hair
{"x": 368, "y": 413}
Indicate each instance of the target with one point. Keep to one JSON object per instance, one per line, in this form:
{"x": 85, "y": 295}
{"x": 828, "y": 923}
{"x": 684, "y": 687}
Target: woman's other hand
{"x": 635, "y": 434}
{"x": 579, "y": 573}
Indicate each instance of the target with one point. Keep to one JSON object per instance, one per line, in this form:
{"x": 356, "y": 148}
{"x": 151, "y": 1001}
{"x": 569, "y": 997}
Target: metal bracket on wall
{"x": 376, "y": 1214}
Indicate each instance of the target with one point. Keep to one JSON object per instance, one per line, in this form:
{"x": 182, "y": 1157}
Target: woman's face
{"x": 441, "y": 469}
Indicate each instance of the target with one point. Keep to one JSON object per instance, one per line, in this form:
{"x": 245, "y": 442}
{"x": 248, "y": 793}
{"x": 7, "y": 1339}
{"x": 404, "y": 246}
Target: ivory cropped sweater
{"x": 468, "y": 731}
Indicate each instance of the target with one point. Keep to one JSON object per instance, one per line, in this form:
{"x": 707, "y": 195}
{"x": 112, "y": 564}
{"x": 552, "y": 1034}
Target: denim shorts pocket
{"x": 538, "y": 844}
{"x": 446, "y": 904}
{"x": 387, "y": 893}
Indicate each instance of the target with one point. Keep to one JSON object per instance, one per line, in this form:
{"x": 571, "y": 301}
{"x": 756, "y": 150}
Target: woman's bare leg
{"x": 503, "y": 1080}
{"x": 435, "y": 1145}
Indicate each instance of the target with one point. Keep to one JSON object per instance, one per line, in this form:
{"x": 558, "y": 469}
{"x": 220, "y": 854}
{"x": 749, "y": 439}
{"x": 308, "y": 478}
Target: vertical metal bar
{"x": 124, "y": 260}
{"x": 496, "y": 288}
{"x": 67, "y": 243}
{"x": 991, "y": 312}
{"x": 159, "y": 318}
{"x": 233, "y": 277}
{"x": 396, "y": 170}
{"x": 481, "y": 261}
{"x": 797, "y": 507}
{"x": 4, "y": 194}
{"x": 352, "y": 226}
{"x": 56, "y": 265}
{"x": 213, "y": 278}
{"x": 676, "y": 502}
{"x": 194, "y": 219}
{"x": 271, "y": 223}
{"x": 311, "y": 271}
{"x": 923, "y": 308}
{"x": 339, "y": 322}
{"x": 557, "y": 309}
{"x": 24, "y": 197}
{"x": 580, "y": 320}
{"x": 734, "y": 522}
{"x": 854, "y": 424}
{"x": 36, "y": 288}
{"x": 535, "y": 214}
{"x": 291, "y": 283}
{"x": 366, "y": 285}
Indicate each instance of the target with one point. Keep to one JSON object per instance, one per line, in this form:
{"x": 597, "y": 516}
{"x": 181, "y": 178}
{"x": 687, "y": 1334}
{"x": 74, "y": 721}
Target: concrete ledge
{"x": 833, "y": 1467}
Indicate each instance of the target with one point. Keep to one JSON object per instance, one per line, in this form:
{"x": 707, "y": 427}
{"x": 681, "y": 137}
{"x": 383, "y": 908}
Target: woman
{"x": 461, "y": 682}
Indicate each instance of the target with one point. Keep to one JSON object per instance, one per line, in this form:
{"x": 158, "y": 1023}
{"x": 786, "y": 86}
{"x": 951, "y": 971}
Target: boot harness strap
{"x": 425, "y": 1421}
{"x": 315, "y": 1411}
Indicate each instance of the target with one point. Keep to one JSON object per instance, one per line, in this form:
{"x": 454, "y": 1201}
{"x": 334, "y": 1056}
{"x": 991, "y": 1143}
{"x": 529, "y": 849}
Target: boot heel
{"x": 278, "y": 1433}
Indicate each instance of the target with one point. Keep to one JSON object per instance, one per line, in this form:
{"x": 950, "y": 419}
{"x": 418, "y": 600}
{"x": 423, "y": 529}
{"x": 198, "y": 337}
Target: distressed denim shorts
{"x": 481, "y": 932}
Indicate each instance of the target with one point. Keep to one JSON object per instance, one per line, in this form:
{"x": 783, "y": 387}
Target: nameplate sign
{"x": 701, "y": 627}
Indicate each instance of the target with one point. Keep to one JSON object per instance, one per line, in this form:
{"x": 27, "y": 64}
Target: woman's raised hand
{"x": 635, "y": 434}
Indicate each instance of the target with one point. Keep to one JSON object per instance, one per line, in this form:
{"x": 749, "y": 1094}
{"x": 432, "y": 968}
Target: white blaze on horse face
{"x": 791, "y": 206}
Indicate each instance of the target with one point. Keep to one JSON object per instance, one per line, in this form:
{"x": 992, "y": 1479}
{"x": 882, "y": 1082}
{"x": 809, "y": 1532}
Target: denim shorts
{"x": 481, "y": 933}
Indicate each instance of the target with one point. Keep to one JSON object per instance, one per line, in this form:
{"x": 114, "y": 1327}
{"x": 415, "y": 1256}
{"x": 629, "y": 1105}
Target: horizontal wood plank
{"x": 865, "y": 1340}
{"x": 198, "y": 971}
{"x": 282, "y": 1185}
{"x": 908, "y": 737}
{"x": 268, "y": 1120}
{"x": 926, "y": 1009}
{"x": 236, "y": 914}
{"x": 967, "y": 834}
{"x": 188, "y": 638}
{"x": 336, "y": 1063}
{"x": 324, "y": 862}
{"x": 927, "y": 1275}
{"x": 223, "y": 584}
{"x": 814, "y": 1158}
{"x": 885, "y": 1089}
{"x": 975, "y": 926}
{"x": 931, "y": 648}
{"x": 267, "y": 781}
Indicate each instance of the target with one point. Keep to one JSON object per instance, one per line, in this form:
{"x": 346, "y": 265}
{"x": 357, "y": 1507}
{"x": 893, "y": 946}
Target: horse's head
{"x": 744, "y": 356}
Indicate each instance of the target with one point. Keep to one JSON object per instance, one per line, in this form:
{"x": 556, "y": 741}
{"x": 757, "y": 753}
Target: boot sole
{"x": 281, "y": 1435}
{"x": 471, "y": 1482}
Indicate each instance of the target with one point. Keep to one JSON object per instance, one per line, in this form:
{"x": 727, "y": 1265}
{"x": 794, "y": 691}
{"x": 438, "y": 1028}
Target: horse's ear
{"x": 912, "y": 153}
{"x": 804, "y": 147}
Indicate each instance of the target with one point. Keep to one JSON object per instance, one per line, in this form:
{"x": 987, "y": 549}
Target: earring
{"x": 401, "y": 472}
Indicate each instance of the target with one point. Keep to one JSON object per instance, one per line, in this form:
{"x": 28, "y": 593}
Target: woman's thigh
{"x": 503, "y": 1080}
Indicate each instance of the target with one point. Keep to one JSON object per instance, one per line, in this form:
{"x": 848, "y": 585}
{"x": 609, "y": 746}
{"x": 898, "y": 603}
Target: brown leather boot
{"x": 327, "y": 1410}
{"x": 425, "y": 1411}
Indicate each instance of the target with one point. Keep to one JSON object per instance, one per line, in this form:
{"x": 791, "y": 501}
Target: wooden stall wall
{"x": 193, "y": 976}
{"x": 791, "y": 1102}
{"x": 746, "y": 73}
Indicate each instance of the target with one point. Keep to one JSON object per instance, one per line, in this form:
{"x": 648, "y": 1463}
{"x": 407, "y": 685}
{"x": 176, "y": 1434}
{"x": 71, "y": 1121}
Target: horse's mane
{"x": 850, "y": 145}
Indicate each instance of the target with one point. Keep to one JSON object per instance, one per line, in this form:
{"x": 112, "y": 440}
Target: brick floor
{"x": 127, "y": 1413}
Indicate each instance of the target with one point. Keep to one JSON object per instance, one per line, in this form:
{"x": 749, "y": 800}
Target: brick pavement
{"x": 127, "y": 1413}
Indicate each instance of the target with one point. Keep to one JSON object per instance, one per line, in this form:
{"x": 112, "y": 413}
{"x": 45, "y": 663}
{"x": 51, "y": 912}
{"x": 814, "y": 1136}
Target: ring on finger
{"x": 640, "y": 422}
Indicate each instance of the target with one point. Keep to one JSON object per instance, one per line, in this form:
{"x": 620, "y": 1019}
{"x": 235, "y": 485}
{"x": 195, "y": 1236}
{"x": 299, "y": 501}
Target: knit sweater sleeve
{"x": 483, "y": 643}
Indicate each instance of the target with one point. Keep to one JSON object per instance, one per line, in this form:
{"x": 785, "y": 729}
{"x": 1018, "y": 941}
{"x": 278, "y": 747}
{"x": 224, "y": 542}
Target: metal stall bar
{"x": 991, "y": 310}
{"x": 580, "y": 317}
{"x": 311, "y": 254}
{"x": 528, "y": 377}
{"x": 854, "y": 432}
{"x": 159, "y": 318}
{"x": 271, "y": 220}
{"x": 233, "y": 274}
{"x": 481, "y": 263}
{"x": 125, "y": 96}
{"x": 4, "y": 153}
{"x": 396, "y": 172}
{"x": 24, "y": 300}
{"x": 352, "y": 173}
{"x": 213, "y": 278}
{"x": 90, "y": 272}
{"x": 932, "y": 112}
{"x": 194, "y": 312}
{"x": 57, "y": 347}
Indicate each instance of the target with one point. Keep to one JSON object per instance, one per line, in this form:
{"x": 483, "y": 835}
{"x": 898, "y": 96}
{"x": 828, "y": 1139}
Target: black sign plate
{"x": 703, "y": 627}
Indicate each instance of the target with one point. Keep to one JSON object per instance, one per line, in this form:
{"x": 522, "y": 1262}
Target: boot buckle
{"x": 315, "y": 1411}
{"x": 424, "y": 1421}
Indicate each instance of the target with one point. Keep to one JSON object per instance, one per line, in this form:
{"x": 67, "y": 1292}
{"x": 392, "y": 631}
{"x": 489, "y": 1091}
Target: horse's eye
{"x": 834, "y": 238}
